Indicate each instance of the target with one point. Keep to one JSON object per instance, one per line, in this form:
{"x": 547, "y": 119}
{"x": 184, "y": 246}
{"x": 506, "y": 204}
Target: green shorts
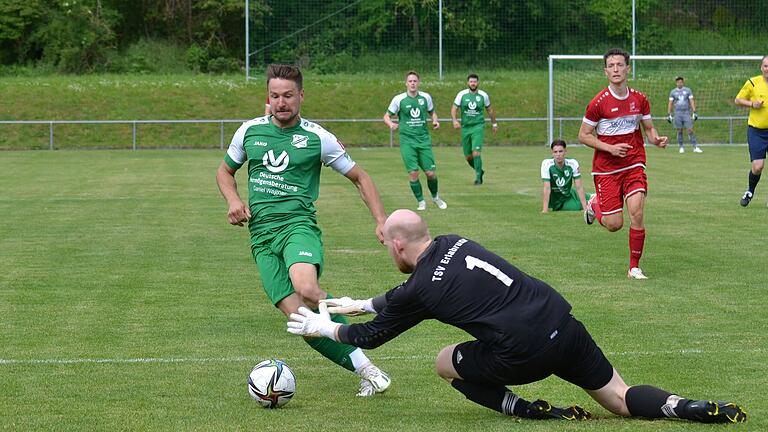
{"x": 472, "y": 139}
{"x": 571, "y": 203}
{"x": 417, "y": 155}
{"x": 276, "y": 252}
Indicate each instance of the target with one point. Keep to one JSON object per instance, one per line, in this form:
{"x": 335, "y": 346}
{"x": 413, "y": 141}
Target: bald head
{"x": 406, "y": 226}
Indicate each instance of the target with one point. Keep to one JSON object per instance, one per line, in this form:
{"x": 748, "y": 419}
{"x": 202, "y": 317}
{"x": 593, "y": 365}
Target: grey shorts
{"x": 682, "y": 121}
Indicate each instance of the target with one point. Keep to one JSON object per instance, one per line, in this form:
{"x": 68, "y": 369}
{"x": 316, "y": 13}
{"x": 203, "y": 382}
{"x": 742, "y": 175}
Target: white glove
{"x": 310, "y": 324}
{"x": 694, "y": 116}
{"x": 349, "y": 307}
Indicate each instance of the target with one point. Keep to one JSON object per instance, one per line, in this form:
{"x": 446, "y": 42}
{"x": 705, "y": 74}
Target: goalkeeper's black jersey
{"x": 458, "y": 282}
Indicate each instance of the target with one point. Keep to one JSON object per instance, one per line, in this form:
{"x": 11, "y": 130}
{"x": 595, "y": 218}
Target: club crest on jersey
{"x": 415, "y": 112}
{"x": 299, "y": 141}
{"x": 275, "y": 164}
{"x": 632, "y": 106}
{"x": 477, "y": 98}
{"x": 421, "y": 101}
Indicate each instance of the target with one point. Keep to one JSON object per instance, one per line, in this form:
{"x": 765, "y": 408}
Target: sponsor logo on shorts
{"x": 459, "y": 357}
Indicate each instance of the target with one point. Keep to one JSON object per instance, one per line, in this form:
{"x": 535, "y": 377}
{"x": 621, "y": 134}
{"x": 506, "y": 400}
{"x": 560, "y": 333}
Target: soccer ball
{"x": 271, "y": 383}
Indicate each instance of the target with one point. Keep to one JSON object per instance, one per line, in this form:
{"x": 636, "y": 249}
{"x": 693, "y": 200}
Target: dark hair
{"x": 412, "y": 72}
{"x": 679, "y": 79}
{"x": 557, "y": 142}
{"x": 287, "y": 72}
{"x": 615, "y": 52}
{"x": 472, "y": 75}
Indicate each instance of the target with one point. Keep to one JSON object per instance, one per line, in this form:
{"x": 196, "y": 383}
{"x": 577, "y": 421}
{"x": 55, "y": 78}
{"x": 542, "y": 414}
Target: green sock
{"x": 432, "y": 185}
{"x": 471, "y": 162}
{"x": 478, "y": 166}
{"x": 416, "y": 189}
{"x": 332, "y": 350}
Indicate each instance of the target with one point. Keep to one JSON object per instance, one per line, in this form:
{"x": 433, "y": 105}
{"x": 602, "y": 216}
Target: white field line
{"x": 150, "y": 360}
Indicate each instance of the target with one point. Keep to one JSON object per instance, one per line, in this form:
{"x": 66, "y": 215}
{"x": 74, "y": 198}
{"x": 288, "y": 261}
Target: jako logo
{"x": 275, "y": 164}
{"x": 415, "y": 113}
{"x": 305, "y": 253}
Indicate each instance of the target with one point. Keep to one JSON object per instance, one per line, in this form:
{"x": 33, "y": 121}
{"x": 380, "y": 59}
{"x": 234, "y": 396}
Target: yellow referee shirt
{"x": 756, "y": 89}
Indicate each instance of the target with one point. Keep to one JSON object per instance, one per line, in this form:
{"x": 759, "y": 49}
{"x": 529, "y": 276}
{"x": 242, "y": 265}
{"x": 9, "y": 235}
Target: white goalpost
{"x": 714, "y": 80}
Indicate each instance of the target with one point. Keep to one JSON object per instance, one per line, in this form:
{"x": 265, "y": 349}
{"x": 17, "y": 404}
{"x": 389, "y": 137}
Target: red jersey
{"x": 617, "y": 120}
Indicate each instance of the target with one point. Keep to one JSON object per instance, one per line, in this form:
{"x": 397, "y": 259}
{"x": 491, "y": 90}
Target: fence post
{"x": 730, "y": 130}
{"x": 134, "y": 134}
{"x": 221, "y": 137}
{"x": 50, "y": 136}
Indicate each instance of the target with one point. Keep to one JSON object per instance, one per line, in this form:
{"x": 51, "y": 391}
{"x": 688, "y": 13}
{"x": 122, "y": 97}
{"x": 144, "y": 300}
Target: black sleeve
{"x": 403, "y": 310}
{"x": 379, "y": 303}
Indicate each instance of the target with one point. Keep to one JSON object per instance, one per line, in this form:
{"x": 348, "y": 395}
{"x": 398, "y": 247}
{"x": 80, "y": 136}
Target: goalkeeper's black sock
{"x": 651, "y": 402}
{"x": 495, "y": 397}
{"x": 753, "y": 180}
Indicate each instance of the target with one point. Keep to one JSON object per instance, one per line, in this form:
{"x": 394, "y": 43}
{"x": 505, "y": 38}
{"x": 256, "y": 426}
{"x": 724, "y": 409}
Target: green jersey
{"x": 284, "y": 168}
{"x": 412, "y": 113}
{"x": 471, "y": 105}
{"x": 560, "y": 179}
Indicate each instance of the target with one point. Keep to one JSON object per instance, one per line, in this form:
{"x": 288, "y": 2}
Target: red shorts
{"x": 613, "y": 189}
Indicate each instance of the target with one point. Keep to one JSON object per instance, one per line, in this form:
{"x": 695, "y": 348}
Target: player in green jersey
{"x": 470, "y": 102}
{"x": 563, "y": 189}
{"x": 413, "y": 107}
{"x": 285, "y": 154}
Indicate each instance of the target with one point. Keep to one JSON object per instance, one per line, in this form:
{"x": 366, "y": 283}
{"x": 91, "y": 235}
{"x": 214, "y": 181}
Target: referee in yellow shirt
{"x": 753, "y": 95}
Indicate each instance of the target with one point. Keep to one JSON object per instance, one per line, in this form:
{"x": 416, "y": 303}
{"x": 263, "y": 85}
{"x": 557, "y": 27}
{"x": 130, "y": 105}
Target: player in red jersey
{"x": 618, "y": 166}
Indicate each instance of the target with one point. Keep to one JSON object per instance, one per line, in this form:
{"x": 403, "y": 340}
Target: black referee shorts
{"x": 574, "y": 357}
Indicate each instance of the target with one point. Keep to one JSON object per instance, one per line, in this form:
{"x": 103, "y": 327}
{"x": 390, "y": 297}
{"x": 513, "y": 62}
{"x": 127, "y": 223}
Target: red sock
{"x": 636, "y": 243}
{"x": 596, "y": 209}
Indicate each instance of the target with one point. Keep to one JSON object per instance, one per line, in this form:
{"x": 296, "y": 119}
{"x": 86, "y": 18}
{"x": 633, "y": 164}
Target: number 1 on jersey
{"x": 473, "y": 262}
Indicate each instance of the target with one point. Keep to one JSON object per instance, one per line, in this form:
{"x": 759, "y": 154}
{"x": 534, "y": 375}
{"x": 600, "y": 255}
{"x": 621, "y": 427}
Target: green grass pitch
{"x": 128, "y": 303}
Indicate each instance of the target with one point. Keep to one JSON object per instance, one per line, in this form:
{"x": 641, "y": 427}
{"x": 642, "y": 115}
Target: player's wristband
{"x": 495, "y": 125}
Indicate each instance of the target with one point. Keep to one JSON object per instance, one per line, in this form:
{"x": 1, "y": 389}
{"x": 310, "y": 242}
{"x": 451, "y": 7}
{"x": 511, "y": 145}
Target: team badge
{"x": 299, "y": 141}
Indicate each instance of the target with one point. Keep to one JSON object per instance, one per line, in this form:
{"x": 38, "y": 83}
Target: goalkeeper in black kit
{"x": 522, "y": 328}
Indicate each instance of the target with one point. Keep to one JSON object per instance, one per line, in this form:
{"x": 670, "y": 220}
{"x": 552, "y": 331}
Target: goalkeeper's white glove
{"x": 694, "y": 116}
{"x": 669, "y": 118}
{"x": 349, "y": 307}
{"x": 310, "y": 324}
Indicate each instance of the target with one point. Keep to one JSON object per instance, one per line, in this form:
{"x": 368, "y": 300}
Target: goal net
{"x": 714, "y": 80}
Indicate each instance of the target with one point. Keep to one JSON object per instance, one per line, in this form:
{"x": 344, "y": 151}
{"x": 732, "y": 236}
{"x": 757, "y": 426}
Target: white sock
{"x": 358, "y": 358}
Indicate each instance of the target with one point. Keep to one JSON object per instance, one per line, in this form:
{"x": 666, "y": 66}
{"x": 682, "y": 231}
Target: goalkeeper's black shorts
{"x": 574, "y": 357}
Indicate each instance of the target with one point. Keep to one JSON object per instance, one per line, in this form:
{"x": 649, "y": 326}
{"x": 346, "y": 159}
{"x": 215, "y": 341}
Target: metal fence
{"x": 561, "y": 123}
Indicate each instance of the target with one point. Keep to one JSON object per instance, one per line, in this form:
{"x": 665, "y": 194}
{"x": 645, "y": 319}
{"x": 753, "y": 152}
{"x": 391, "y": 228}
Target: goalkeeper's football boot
{"x": 372, "y": 381}
{"x": 707, "y": 411}
{"x": 589, "y": 213}
{"x": 543, "y": 410}
{"x": 746, "y": 199}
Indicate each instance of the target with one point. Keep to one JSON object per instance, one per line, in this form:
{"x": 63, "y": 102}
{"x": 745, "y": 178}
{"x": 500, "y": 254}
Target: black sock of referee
{"x": 495, "y": 397}
{"x": 753, "y": 180}
{"x": 651, "y": 402}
